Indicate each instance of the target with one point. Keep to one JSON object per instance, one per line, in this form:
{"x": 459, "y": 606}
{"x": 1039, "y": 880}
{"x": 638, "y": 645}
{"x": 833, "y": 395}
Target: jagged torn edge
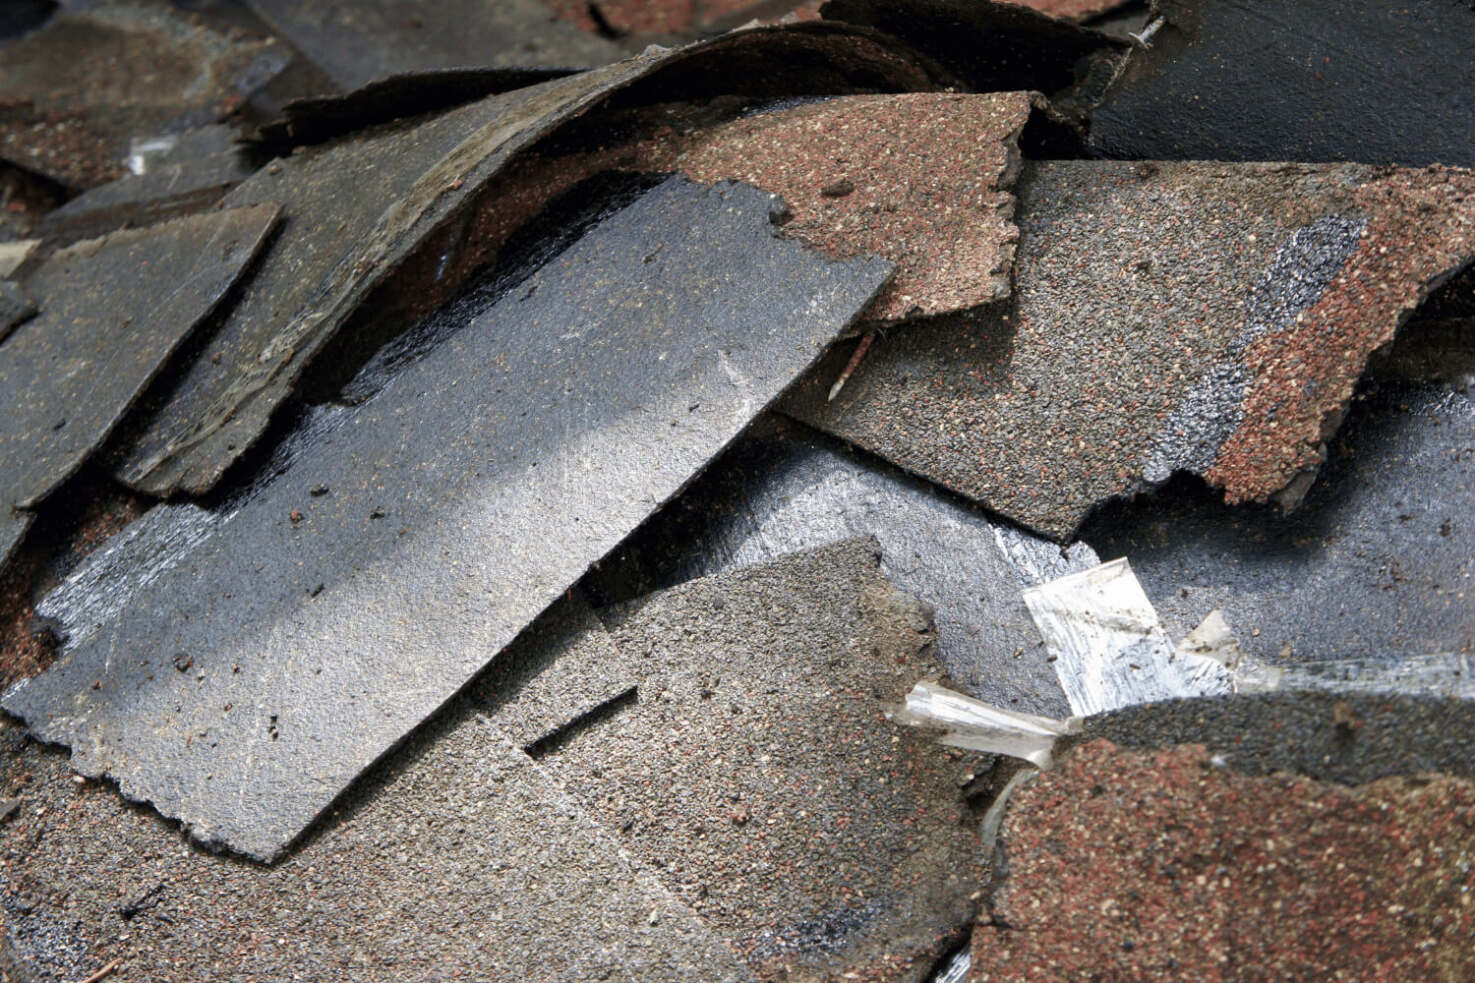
{"x": 976, "y": 726}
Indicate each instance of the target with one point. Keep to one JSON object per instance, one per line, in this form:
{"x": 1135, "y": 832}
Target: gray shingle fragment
{"x": 462, "y": 500}
{"x": 115, "y": 309}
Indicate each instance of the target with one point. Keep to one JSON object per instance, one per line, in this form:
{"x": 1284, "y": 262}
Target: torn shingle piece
{"x": 461, "y": 501}
{"x": 922, "y": 179}
{"x": 1375, "y": 564}
{"x": 790, "y": 489}
{"x": 353, "y": 211}
{"x": 114, "y": 310}
{"x": 417, "y": 209}
{"x": 1134, "y": 866}
{"x": 316, "y": 119}
{"x": 358, "y": 44}
{"x": 73, "y": 94}
{"x": 1381, "y": 82}
{"x": 1210, "y": 318}
{"x": 757, "y": 772}
{"x": 562, "y": 669}
{"x": 1110, "y": 650}
{"x": 459, "y": 858}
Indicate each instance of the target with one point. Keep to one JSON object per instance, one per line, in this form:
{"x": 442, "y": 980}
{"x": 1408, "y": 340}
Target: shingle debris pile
{"x": 729, "y": 490}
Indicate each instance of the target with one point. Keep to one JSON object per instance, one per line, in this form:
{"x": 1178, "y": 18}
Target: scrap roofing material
{"x": 1211, "y": 318}
{"x": 113, "y": 311}
{"x": 758, "y": 774}
{"x": 459, "y": 859}
{"x": 1218, "y": 876}
{"x": 922, "y": 179}
{"x": 1379, "y": 81}
{"x": 315, "y": 119}
{"x": 357, "y": 43}
{"x": 564, "y": 668}
{"x": 1376, "y": 564}
{"x": 1335, "y": 736}
{"x": 548, "y": 428}
{"x": 73, "y": 94}
{"x": 776, "y": 493}
{"x": 358, "y": 210}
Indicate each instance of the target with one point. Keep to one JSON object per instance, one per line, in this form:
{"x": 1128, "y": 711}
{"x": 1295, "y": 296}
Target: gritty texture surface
{"x": 1350, "y": 738}
{"x": 922, "y": 179}
{"x": 1218, "y": 876}
{"x": 74, "y": 93}
{"x": 458, "y": 859}
{"x": 115, "y": 309}
{"x": 371, "y": 39}
{"x": 1376, "y": 564}
{"x": 1155, "y": 302}
{"x": 310, "y": 632}
{"x": 1384, "y": 82}
{"x": 562, "y": 669}
{"x": 791, "y": 489}
{"x": 758, "y": 774}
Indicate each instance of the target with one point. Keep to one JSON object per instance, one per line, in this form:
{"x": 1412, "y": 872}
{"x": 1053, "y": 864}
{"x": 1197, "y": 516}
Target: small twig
{"x": 852, "y": 365}
{"x": 104, "y": 972}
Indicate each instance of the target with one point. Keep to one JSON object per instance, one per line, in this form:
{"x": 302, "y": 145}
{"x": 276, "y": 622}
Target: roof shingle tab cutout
{"x": 1210, "y": 318}
{"x": 1377, "y": 81}
{"x": 74, "y": 94}
{"x": 114, "y": 310}
{"x": 478, "y": 485}
{"x": 493, "y": 872}
{"x": 358, "y": 212}
{"x": 759, "y": 776}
